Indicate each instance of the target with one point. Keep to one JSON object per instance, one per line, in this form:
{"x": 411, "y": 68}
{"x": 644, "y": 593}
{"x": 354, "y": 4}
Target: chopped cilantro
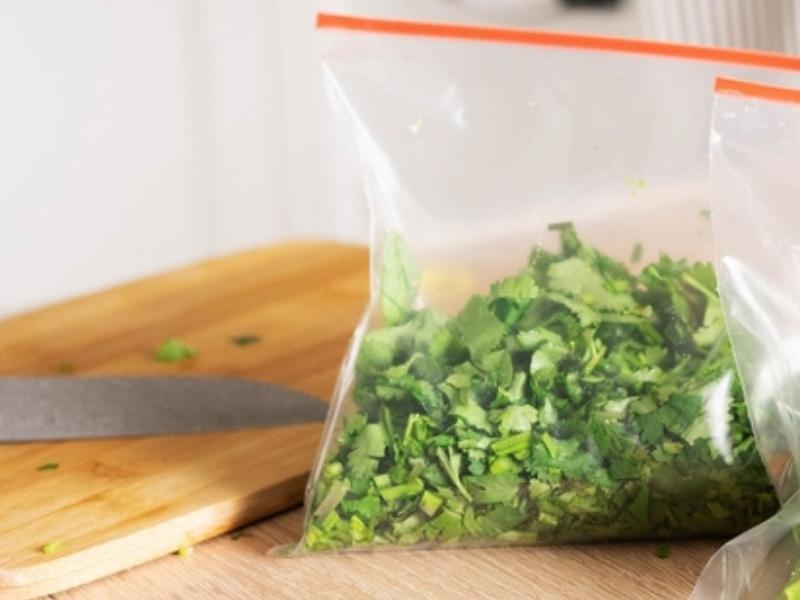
{"x": 565, "y": 404}
{"x": 51, "y": 548}
{"x": 662, "y": 552}
{"x": 637, "y": 252}
{"x": 635, "y": 184}
{"x": 560, "y": 226}
{"x": 174, "y": 350}
{"x": 65, "y": 368}
{"x": 400, "y": 275}
{"x": 239, "y": 534}
{"x": 245, "y": 340}
{"x": 51, "y": 466}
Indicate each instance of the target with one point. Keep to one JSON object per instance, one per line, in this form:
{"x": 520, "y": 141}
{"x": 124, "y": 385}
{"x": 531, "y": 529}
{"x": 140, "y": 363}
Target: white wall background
{"x": 138, "y": 135}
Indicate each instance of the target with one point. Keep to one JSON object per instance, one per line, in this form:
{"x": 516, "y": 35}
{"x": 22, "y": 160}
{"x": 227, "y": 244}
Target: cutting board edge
{"x": 26, "y": 583}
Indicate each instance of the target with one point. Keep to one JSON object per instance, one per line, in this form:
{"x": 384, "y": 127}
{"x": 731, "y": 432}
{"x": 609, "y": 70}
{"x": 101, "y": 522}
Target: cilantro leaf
{"x": 578, "y": 279}
{"x": 472, "y": 414}
{"x": 637, "y": 252}
{"x": 477, "y": 328}
{"x": 368, "y": 447}
{"x": 65, "y": 368}
{"x": 675, "y": 416}
{"x": 173, "y": 350}
{"x": 493, "y": 489}
{"x": 51, "y": 548}
{"x": 400, "y": 277}
{"x": 245, "y": 339}
{"x": 519, "y": 288}
{"x": 517, "y": 419}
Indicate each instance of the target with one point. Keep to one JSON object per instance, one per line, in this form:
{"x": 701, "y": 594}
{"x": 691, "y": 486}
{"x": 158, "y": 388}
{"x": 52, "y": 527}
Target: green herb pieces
{"x": 51, "y": 466}
{"x": 245, "y": 340}
{"x": 562, "y": 226}
{"x": 637, "y": 252}
{"x": 662, "y": 552}
{"x": 65, "y": 368}
{"x": 399, "y": 279}
{"x": 51, "y": 548}
{"x": 185, "y": 551}
{"x": 238, "y": 534}
{"x": 566, "y": 404}
{"x": 635, "y": 184}
{"x": 174, "y": 350}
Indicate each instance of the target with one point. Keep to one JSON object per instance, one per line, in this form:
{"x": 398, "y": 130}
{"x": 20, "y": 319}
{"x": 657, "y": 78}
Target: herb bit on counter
{"x": 662, "y": 552}
{"x": 51, "y": 548}
{"x": 238, "y": 534}
{"x": 51, "y": 466}
{"x": 65, "y": 368}
{"x": 185, "y": 551}
{"x": 245, "y": 340}
{"x": 174, "y": 350}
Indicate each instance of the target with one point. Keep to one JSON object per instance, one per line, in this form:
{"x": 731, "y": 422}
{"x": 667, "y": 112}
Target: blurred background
{"x": 140, "y": 135}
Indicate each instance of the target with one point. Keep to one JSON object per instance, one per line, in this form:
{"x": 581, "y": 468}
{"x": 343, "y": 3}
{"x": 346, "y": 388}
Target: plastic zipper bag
{"x": 544, "y": 358}
{"x": 755, "y": 158}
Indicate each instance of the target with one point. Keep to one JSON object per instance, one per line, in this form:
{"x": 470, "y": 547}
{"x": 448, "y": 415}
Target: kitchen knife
{"x": 66, "y": 408}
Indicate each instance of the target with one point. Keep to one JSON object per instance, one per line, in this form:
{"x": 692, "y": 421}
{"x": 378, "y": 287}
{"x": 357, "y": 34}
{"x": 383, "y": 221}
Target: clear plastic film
{"x": 755, "y": 159}
{"x": 544, "y": 358}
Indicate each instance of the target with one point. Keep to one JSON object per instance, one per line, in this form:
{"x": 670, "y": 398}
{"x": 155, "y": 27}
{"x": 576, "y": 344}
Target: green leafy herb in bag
{"x": 571, "y": 402}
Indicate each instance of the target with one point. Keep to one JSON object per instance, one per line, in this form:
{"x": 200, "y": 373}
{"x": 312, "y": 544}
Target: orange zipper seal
{"x": 558, "y": 40}
{"x": 734, "y": 87}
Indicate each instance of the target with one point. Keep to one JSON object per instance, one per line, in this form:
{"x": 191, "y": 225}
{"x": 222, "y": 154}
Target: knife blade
{"x": 68, "y": 408}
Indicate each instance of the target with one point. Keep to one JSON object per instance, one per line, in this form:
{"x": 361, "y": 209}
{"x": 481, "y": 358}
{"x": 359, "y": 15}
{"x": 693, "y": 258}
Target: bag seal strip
{"x": 735, "y": 87}
{"x": 559, "y": 40}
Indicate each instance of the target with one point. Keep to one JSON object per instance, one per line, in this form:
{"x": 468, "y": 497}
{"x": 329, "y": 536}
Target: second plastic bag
{"x": 544, "y": 358}
{"x": 755, "y": 159}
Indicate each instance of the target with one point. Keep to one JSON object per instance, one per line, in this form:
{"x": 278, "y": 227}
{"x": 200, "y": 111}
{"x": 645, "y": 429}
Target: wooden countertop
{"x": 242, "y": 569}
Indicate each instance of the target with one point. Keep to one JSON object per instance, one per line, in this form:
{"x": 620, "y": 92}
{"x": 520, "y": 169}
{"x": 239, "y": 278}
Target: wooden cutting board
{"x": 113, "y": 504}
